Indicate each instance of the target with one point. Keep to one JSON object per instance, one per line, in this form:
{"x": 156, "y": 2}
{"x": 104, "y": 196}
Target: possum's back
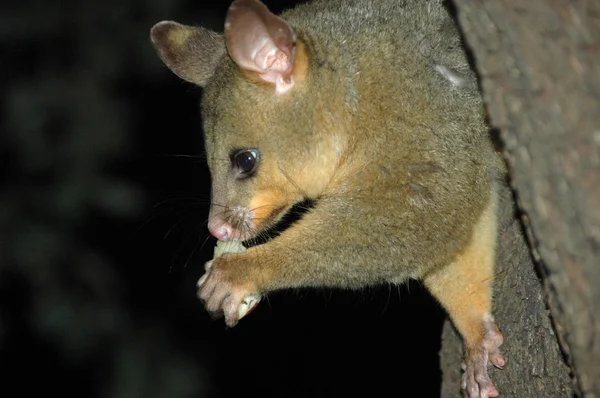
{"x": 391, "y": 56}
{"x": 397, "y": 49}
{"x": 409, "y": 28}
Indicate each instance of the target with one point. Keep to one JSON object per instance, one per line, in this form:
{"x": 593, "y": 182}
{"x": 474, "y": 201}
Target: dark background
{"x": 103, "y": 235}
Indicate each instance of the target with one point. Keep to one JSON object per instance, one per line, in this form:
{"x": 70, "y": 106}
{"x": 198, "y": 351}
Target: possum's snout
{"x": 231, "y": 224}
{"x": 223, "y": 232}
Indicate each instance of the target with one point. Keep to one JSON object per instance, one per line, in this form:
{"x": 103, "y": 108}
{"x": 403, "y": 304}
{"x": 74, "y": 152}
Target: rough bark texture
{"x": 539, "y": 65}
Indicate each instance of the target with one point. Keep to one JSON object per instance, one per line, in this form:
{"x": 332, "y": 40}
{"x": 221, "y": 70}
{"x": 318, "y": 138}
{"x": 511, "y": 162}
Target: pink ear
{"x": 261, "y": 42}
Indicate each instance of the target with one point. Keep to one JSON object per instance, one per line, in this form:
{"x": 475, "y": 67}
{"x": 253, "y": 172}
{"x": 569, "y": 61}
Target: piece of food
{"x": 228, "y": 246}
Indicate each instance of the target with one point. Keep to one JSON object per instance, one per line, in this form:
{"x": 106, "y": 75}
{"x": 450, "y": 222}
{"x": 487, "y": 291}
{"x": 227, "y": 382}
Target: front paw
{"x": 223, "y": 292}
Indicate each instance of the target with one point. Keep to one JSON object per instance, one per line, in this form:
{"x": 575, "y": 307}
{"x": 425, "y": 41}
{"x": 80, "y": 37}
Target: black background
{"x": 103, "y": 214}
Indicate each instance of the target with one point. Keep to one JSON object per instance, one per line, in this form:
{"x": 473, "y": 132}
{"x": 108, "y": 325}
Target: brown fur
{"x": 397, "y": 157}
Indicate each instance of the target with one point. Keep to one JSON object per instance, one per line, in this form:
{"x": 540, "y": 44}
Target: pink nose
{"x": 221, "y": 232}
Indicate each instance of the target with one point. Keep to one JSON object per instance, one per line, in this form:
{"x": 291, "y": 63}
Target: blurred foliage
{"x": 70, "y": 124}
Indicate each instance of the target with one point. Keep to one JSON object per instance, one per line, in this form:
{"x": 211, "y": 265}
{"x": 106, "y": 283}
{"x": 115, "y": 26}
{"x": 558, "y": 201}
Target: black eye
{"x": 245, "y": 162}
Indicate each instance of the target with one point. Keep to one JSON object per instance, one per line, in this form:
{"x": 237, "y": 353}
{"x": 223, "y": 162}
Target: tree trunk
{"x": 539, "y": 66}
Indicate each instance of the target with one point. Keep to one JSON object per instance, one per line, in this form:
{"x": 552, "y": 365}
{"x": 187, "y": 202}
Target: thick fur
{"x": 384, "y": 128}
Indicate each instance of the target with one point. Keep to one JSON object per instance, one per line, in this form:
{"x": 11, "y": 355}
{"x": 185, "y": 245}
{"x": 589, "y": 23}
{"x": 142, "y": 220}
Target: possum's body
{"x": 368, "y": 108}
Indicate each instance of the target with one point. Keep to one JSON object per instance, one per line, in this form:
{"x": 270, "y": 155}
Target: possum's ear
{"x": 260, "y": 42}
{"x": 192, "y": 53}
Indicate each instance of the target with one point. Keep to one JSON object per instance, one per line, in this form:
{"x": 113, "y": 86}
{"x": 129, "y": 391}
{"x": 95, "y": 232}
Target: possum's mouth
{"x": 286, "y": 220}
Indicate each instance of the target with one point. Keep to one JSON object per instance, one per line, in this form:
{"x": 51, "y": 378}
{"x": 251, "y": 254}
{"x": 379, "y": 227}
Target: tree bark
{"x": 539, "y": 66}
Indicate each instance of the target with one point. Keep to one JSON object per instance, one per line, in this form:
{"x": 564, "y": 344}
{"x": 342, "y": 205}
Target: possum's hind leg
{"x": 464, "y": 288}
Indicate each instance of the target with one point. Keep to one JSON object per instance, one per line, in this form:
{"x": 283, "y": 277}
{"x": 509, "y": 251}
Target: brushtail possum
{"x": 368, "y": 108}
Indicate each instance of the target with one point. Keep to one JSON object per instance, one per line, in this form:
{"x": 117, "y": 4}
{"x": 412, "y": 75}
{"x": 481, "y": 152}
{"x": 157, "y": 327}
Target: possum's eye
{"x": 244, "y": 162}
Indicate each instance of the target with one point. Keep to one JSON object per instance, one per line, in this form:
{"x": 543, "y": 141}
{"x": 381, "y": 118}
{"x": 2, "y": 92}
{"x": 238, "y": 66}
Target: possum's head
{"x": 269, "y": 143}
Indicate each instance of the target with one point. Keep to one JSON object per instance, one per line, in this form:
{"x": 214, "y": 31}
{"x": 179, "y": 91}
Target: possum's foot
{"x": 222, "y": 295}
{"x": 476, "y": 382}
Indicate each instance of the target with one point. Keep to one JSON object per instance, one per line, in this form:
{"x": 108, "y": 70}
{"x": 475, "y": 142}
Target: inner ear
{"x": 259, "y": 41}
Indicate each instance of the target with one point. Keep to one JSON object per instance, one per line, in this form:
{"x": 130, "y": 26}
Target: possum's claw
{"x": 476, "y": 382}
{"x": 221, "y": 293}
